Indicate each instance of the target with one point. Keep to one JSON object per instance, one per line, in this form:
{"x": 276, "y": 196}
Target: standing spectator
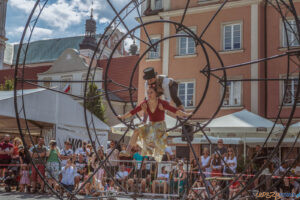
{"x": 194, "y": 169}
{"x": 15, "y": 159}
{"x": 24, "y": 156}
{"x": 258, "y": 158}
{"x": 6, "y": 151}
{"x": 68, "y": 174}
{"x": 83, "y": 150}
{"x": 66, "y": 153}
{"x": 205, "y": 161}
{"x": 53, "y": 163}
{"x": 216, "y": 165}
{"x": 168, "y": 154}
{"x": 113, "y": 163}
{"x": 162, "y": 180}
{"x": 221, "y": 148}
{"x": 25, "y": 180}
{"x": 231, "y": 162}
{"x": 38, "y": 155}
{"x": 138, "y": 157}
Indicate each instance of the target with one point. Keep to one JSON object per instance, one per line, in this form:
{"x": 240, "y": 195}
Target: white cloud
{"x": 104, "y": 20}
{"x": 38, "y": 33}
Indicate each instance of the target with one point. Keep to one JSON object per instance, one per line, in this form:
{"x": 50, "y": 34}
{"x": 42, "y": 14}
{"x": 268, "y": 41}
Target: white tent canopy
{"x": 241, "y": 124}
{"x": 50, "y": 107}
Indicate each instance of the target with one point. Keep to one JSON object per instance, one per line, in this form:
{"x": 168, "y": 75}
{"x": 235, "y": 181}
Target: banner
{"x": 76, "y": 136}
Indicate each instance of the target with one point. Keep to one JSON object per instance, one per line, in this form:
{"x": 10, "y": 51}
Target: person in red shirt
{"x": 6, "y": 151}
{"x": 152, "y": 137}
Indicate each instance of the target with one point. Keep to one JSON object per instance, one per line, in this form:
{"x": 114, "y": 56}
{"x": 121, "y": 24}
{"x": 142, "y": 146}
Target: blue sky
{"x": 62, "y": 18}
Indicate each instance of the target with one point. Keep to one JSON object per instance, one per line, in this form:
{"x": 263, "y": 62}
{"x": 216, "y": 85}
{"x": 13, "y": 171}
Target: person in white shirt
{"x": 162, "y": 180}
{"x": 83, "y": 150}
{"x": 113, "y": 158}
{"x": 68, "y": 174}
{"x": 205, "y": 161}
{"x": 66, "y": 153}
{"x": 231, "y": 162}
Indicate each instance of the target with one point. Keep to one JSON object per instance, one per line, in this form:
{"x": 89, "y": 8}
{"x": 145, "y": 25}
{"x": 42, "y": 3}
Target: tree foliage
{"x": 8, "y": 85}
{"x": 94, "y": 102}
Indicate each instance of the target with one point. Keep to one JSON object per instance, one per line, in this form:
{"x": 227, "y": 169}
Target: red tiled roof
{"x": 120, "y": 71}
{"x": 30, "y": 73}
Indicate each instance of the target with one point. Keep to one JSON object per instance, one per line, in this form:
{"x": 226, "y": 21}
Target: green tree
{"x": 8, "y": 85}
{"x": 94, "y": 102}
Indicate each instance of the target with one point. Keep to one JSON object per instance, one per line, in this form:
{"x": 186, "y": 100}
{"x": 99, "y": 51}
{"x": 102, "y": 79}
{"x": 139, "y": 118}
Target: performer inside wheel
{"x": 152, "y": 137}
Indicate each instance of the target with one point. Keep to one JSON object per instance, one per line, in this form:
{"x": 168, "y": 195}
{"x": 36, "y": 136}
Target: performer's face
{"x": 151, "y": 93}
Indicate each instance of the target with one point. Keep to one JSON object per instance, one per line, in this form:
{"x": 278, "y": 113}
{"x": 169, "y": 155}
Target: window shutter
{"x": 237, "y": 93}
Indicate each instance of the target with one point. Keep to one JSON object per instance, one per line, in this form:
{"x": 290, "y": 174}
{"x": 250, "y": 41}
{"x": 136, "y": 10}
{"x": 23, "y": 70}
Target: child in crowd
{"x": 25, "y": 180}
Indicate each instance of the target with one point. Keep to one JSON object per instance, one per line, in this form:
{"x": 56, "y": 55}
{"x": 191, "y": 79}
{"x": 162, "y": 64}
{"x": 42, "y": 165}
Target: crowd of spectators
{"x": 69, "y": 169}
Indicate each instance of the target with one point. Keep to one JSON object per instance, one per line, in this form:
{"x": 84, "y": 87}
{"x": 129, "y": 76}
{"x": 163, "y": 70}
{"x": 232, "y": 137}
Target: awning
{"x": 45, "y": 106}
{"x": 242, "y": 124}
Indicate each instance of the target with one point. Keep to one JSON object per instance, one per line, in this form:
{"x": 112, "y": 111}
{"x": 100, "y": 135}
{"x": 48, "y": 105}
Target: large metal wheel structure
{"x": 207, "y": 71}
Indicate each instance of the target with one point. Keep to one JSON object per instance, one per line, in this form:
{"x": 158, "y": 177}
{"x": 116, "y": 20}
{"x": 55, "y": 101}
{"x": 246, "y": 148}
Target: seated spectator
{"x": 98, "y": 179}
{"x": 235, "y": 187}
{"x": 197, "y": 190}
{"x": 124, "y": 155}
{"x": 68, "y": 173}
{"x": 216, "y": 165}
{"x": 286, "y": 186}
{"x": 80, "y": 164}
{"x": 38, "y": 154}
{"x": 141, "y": 176}
{"x": 122, "y": 175}
{"x": 214, "y": 188}
{"x": 66, "y": 153}
{"x": 161, "y": 181}
{"x": 180, "y": 178}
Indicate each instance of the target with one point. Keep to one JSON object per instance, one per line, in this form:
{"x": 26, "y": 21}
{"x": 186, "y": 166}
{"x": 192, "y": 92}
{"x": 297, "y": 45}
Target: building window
{"x": 186, "y": 44}
{"x": 154, "y": 52}
{"x": 291, "y": 90}
{"x": 66, "y": 86}
{"x": 186, "y": 93}
{"x": 233, "y": 93}
{"x": 232, "y": 37}
{"x": 291, "y": 34}
{"x": 157, "y": 4}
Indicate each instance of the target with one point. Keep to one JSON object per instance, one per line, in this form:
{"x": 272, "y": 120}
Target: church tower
{"x": 89, "y": 43}
{"x": 3, "y": 6}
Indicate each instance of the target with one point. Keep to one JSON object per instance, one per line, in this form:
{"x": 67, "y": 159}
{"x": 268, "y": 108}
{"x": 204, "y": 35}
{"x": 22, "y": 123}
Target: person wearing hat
{"x": 163, "y": 85}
